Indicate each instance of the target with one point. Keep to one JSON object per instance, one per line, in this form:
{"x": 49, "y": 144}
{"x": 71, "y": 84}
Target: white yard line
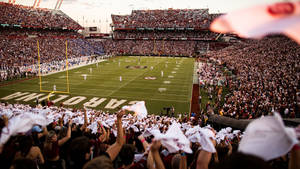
{"x": 130, "y": 81}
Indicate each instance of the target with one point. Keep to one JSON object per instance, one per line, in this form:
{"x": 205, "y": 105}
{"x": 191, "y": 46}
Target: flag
{"x": 174, "y": 139}
{"x": 138, "y": 108}
{"x": 202, "y": 136}
{"x": 21, "y": 124}
{"x": 262, "y": 20}
{"x": 268, "y": 138}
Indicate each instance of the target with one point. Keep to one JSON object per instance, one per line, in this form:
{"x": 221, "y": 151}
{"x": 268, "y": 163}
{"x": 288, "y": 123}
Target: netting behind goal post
{"x": 67, "y": 74}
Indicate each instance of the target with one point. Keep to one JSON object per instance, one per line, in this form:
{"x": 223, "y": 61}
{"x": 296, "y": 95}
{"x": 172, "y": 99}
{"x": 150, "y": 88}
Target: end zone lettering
{"x": 67, "y": 100}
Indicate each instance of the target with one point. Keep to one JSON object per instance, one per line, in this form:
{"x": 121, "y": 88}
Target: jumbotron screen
{"x": 93, "y": 29}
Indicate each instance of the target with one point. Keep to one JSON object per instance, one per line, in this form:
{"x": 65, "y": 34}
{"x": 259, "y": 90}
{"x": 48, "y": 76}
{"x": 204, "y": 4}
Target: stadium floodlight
{"x": 67, "y": 73}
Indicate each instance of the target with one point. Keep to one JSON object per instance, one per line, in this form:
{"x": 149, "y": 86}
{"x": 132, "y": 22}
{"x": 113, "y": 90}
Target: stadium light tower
{"x": 106, "y": 27}
{"x": 58, "y": 4}
{"x": 36, "y": 3}
{"x": 131, "y": 6}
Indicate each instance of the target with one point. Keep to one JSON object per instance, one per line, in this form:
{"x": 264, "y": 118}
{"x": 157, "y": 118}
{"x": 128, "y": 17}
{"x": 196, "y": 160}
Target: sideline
{"x": 74, "y": 67}
{"x": 17, "y": 81}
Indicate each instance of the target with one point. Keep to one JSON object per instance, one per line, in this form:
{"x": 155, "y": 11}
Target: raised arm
{"x": 103, "y": 136}
{"x": 108, "y": 134}
{"x": 85, "y": 120}
{"x": 155, "y": 154}
{"x": 44, "y": 133}
{"x": 68, "y": 136}
{"x": 150, "y": 161}
{"x": 5, "y": 119}
{"x": 229, "y": 149}
{"x": 144, "y": 142}
{"x": 114, "y": 149}
{"x": 203, "y": 159}
{"x": 294, "y": 162}
{"x": 183, "y": 162}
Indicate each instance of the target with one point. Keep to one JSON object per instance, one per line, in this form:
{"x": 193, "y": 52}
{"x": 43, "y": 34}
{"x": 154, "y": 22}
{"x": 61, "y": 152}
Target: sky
{"x": 98, "y": 12}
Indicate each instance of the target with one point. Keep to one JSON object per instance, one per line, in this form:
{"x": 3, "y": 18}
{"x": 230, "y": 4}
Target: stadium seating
{"x": 266, "y": 78}
{"x": 178, "y": 32}
{"x": 21, "y": 27}
{"x": 35, "y": 17}
{"x": 260, "y": 78}
{"x": 171, "y": 18}
{"x": 165, "y": 35}
{"x": 144, "y": 47}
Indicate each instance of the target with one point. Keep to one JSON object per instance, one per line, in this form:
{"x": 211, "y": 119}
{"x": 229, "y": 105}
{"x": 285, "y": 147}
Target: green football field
{"x": 159, "y": 81}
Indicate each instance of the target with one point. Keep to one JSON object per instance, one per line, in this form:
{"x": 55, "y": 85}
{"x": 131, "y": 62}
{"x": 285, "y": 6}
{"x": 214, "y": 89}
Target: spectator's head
{"x": 176, "y": 161}
{"x": 36, "y": 129}
{"x": 25, "y": 145}
{"x": 222, "y": 151}
{"x": 79, "y": 151}
{"x": 102, "y": 162}
{"x": 23, "y": 163}
{"x": 62, "y": 132}
{"x": 51, "y": 136}
{"x": 2, "y": 124}
{"x": 240, "y": 160}
{"x": 127, "y": 154}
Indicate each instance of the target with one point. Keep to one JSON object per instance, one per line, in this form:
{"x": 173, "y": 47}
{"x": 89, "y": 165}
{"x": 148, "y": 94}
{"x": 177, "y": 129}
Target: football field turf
{"x": 159, "y": 81}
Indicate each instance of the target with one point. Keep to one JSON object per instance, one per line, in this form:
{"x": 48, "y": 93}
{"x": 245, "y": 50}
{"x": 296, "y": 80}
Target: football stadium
{"x": 165, "y": 86}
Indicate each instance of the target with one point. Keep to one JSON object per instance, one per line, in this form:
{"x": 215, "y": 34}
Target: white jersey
{"x": 54, "y": 87}
{"x": 162, "y": 73}
{"x": 120, "y": 78}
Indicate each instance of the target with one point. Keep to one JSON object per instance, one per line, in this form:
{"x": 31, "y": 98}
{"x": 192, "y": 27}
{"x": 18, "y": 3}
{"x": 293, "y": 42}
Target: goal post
{"x": 67, "y": 72}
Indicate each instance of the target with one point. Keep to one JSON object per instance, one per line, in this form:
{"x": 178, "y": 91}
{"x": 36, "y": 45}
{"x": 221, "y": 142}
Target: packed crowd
{"x": 179, "y": 42}
{"x": 35, "y": 17}
{"x": 59, "y": 65}
{"x": 175, "y": 35}
{"x": 171, "y": 18}
{"x": 210, "y": 73}
{"x": 42, "y": 33}
{"x": 18, "y": 48}
{"x": 57, "y": 137}
{"x": 151, "y": 47}
{"x": 265, "y": 78}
